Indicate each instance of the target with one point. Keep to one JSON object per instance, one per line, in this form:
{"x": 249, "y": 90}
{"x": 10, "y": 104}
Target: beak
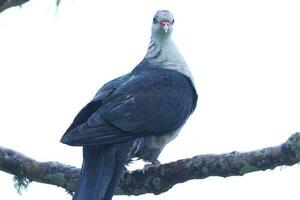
{"x": 165, "y": 25}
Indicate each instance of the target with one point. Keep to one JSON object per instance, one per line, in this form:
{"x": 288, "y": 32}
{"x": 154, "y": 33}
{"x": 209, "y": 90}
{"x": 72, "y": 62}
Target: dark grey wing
{"x": 152, "y": 103}
{"x": 93, "y": 106}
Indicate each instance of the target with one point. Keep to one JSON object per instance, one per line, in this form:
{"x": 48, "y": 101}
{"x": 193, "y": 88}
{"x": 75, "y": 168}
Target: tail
{"x": 101, "y": 171}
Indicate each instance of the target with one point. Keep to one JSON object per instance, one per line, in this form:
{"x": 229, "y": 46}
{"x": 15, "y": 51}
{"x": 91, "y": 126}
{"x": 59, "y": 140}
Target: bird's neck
{"x": 163, "y": 51}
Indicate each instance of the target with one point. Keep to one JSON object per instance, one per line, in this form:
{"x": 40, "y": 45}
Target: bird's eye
{"x": 154, "y": 20}
{"x": 173, "y": 21}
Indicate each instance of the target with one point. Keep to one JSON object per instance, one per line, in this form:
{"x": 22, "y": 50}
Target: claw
{"x": 125, "y": 171}
{"x": 148, "y": 166}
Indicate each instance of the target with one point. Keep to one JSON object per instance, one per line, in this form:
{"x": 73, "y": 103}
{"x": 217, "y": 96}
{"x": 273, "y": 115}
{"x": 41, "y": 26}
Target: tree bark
{"x": 159, "y": 179}
{"x": 5, "y": 4}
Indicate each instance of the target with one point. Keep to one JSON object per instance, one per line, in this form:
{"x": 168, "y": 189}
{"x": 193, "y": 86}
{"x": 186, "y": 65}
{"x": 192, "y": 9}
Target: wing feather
{"x": 150, "y": 103}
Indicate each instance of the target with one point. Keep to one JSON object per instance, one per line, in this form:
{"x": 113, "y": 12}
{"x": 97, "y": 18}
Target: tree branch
{"x": 5, "y": 4}
{"x": 161, "y": 178}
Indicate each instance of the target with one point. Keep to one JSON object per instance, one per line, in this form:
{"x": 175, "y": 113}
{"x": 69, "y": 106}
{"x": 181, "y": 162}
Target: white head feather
{"x": 162, "y": 49}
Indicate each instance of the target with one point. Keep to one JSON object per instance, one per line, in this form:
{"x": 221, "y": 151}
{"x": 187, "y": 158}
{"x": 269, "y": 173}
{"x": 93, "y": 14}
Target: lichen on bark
{"x": 160, "y": 178}
{"x": 293, "y": 143}
{"x": 21, "y": 183}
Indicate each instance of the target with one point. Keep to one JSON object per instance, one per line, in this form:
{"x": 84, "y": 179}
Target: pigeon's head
{"x": 162, "y": 25}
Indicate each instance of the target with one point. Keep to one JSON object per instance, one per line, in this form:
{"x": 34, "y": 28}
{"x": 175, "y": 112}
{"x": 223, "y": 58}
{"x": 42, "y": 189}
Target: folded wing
{"x": 154, "y": 102}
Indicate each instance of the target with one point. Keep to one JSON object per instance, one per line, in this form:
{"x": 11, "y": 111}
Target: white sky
{"x": 244, "y": 56}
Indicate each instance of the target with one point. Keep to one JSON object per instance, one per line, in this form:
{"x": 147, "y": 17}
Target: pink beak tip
{"x": 165, "y": 25}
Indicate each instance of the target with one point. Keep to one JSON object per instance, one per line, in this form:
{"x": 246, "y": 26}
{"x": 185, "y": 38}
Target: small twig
{"x": 5, "y": 4}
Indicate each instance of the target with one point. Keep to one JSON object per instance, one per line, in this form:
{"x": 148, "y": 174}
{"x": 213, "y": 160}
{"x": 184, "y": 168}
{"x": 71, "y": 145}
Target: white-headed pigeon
{"x": 133, "y": 116}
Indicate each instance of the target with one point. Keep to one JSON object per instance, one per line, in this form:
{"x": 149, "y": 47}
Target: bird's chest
{"x": 148, "y": 148}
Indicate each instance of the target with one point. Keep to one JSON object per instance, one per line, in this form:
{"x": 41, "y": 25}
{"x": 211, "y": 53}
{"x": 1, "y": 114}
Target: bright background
{"x": 244, "y": 56}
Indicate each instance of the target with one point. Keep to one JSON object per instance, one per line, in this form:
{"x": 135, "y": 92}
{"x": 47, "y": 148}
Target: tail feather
{"x": 101, "y": 171}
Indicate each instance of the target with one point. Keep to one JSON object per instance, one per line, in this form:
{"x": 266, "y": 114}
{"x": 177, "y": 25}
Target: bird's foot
{"x": 125, "y": 171}
{"x": 153, "y": 164}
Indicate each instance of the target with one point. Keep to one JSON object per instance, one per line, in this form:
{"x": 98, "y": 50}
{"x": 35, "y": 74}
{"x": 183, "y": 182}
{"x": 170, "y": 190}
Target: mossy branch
{"x": 161, "y": 178}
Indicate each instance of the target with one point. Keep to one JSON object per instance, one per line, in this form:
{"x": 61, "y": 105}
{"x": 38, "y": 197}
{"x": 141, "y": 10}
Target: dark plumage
{"x": 135, "y": 115}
